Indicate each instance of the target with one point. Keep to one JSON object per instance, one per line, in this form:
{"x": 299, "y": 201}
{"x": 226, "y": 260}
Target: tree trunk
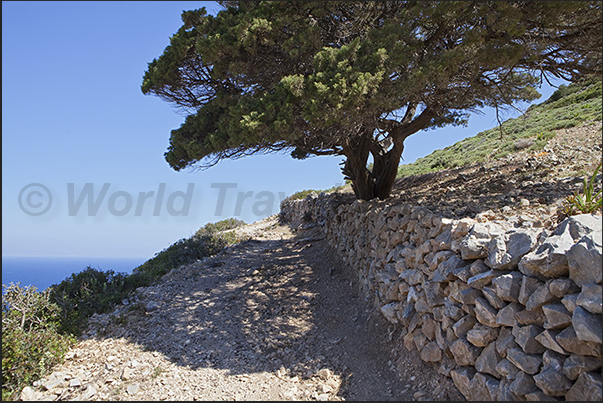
{"x": 386, "y": 172}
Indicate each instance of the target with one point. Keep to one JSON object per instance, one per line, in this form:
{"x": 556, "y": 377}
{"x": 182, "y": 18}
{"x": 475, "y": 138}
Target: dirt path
{"x": 276, "y": 317}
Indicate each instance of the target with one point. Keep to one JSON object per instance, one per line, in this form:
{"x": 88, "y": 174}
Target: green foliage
{"x": 224, "y": 225}
{"x": 207, "y": 241}
{"x": 31, "y": 341}
{"x": 340, "y": 78}
{"x": 573, "y": 105}
{"x": 587, "y": 202}
{"x": 302, "y": 194}
{"x": 90, "y": 291}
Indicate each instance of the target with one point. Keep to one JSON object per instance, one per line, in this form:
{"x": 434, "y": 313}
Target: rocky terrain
{"x": 280, "y": 316}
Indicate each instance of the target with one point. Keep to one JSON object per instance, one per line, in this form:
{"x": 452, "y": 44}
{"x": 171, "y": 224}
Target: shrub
{"x": 587, "y": 202}
{"x": 90, "y": 291}
{"x": 224, "y": 225}
{"x": 31, "y": 341}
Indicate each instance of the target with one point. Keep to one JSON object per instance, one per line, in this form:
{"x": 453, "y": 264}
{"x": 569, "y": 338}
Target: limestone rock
{"x": 574, "y": 365}
{"x": 525, "y": 336}
{"x": 528, "y": 363}
{"x": 588, "y": 327}
{"x": 507, "y": 286}
{"x": 464, "y": 352}
{"x": 552, "y": 381}
{"x": 570, "y": 342}
{"x": 556, "y": 316}
{"x": 462, "y": 378}
{"x": 590, "y": 298}
{"x": 584, "y": 260}
{"x": 587, "y": 387}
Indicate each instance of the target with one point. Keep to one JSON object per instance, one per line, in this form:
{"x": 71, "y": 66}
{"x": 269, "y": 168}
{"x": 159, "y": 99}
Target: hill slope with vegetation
{"x": 569, "y": 106}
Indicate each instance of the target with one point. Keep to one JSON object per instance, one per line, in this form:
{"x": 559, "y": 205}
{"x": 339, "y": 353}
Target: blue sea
{"x": 43, "y": 272}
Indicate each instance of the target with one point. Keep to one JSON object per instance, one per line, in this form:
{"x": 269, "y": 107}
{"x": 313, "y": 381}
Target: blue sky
{"x": 73, "y": 117}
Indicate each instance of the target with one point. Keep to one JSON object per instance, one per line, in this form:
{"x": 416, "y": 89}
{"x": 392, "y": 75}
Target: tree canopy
{"x": 356, "y": 79}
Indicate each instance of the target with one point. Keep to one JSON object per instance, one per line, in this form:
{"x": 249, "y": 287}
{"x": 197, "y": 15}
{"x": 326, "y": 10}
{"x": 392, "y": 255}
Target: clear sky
{"x": 82, "y": 148}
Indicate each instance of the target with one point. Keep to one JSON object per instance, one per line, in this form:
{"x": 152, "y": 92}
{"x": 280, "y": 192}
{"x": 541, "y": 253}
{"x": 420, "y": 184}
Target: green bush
{"x": 31, "y": 341}
{"x": 90, "y": 291}
{"x": 224, "y": 225}
{"x": 207, "y": 241}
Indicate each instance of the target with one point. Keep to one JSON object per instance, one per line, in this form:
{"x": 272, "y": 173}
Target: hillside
{"x": 568, "y": 107}
{"x": 279, "y": 315}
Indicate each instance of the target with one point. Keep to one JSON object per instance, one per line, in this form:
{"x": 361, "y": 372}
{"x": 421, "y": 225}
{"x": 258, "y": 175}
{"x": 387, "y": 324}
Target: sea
{"x": 43, "y": 272}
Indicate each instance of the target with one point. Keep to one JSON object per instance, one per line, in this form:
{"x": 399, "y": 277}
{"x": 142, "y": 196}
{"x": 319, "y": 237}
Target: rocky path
{"x": 276, "y": 317}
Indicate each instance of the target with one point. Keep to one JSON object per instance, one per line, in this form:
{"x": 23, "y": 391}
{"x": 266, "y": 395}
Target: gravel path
{"x": 276, "y": 317}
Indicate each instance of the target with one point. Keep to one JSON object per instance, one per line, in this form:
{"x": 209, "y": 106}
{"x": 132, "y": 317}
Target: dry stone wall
{"x": 509, "y": 310}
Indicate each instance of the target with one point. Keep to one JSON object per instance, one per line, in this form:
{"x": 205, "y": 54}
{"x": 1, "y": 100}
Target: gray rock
{"x": 506, "y": 251}
{"x": 480, "y": 280}
{"x": 570, "y": 302}
{"x": 444, "y": 272}
{"x": 590, "y": 298}
{"x": 528, "y": 363}
{"x": 29, "y": 394}
{"x": 464, "y": 352}
{"x": 506, "y": 315}
{"x": 429, "y": 326}
{"x": 584, "y": 260}
{"x": 152, "y": 306}
{"x": 412, "y": 276}
{"x": 481, "y": 335}
{"x": 389, "y": 311}
{"x": 588, "y": 387}
{"x": 549, "y": 259}
{"x": 574, "y": 365}
{"x": 504, "y": 392}
{"x": 528, "y": 286}
{"x": 551, "y": 358}
{"x": 540, "y": 297}
{"x": 507, "y": 286}
{"x": 484, "y": 387}
{"x": 535, "y": 317}
{"x": 463, "y": 273}
{"x": 88, "y": 393}
{"x": 468, "y": 296}
{"x": 453, "y": 310}
{"x": 485, "y": 313}
{"x": 505, "y": 342}
{"x": 525, "y": 336}
{"x": 522, "y": 385}
{"x": 560, "y": 287}
{"x": 506, "y": 369}
{"x": 475, "y": 244}
{"x": 488, "y": 360}
{"x": 588, "y": 327}
{"x": 493, "y": 299}
{"x": 547, "y": 339}
{"x": 568, "y": 339}
{"x": 556, "y": 316}
{"x": 552, "y": 381}
{"x": 431, "y": 352}
{"x": 462, "y": 378}
{"x": 579, "y": 225}
{"x": 463, "y": 325}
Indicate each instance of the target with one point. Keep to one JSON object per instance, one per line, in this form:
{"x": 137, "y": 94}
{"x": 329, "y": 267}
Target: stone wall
{"x": 508, "y": 309}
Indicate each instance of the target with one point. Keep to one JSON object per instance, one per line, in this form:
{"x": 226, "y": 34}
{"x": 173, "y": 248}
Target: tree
{"x": 356, "y": 79}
